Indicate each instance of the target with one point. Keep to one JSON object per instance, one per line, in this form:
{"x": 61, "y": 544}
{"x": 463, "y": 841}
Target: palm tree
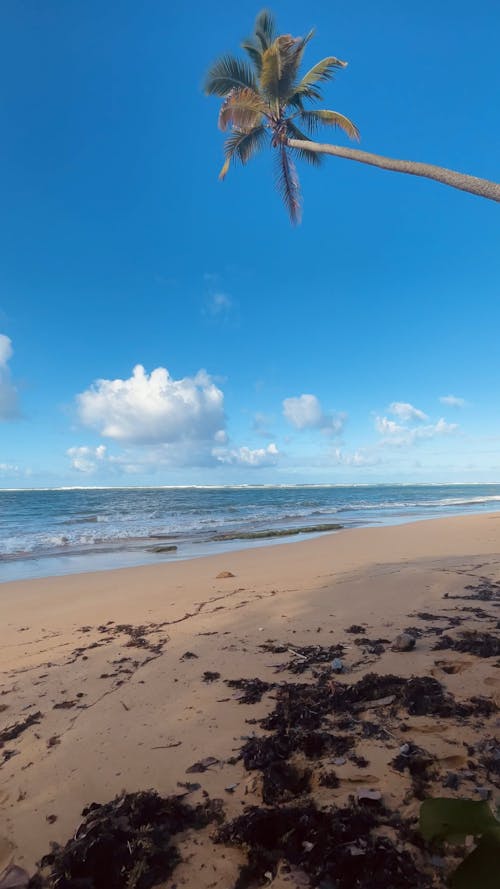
{"x": 264, "y": 100}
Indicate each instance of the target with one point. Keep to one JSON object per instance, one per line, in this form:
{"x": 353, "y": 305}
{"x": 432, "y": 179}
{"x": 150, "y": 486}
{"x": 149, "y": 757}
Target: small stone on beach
{"x": 403, "y": 642}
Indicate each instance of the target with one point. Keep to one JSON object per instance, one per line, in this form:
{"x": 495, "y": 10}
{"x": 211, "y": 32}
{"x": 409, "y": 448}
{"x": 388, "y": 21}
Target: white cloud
{"x": 86, "y": 459}
{"x": 398, "y": 435}
{"x": 388, "y": 427}
{"x": 406, "y": 412}
{"x": 154, "y": 408}
{"x": 220, "y": 436}
{"x": 305, "y": 412}
{"x": 452, "y": 401}
{"x": 9, "y": 408}
{"x": 244, "y": 456}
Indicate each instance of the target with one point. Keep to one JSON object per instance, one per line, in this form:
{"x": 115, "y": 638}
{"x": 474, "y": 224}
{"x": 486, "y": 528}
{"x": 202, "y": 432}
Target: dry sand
{"x": 121, "y": 708}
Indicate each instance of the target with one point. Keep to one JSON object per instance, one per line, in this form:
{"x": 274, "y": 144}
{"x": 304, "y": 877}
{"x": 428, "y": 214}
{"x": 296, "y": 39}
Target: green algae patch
{"x": 279, "y": 532}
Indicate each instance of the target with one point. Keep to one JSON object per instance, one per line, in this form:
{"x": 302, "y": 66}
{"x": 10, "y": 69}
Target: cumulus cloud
{"x": 399, "y": 435}
{"x": 305, "y": 412}
{"x": 452, "y": 401}
{"x": 406, "y": 412}
{"x": 9, "y": 406}
{"x": 154, "y": 408}
{"x": 244, "y": 456}
{"x": 388, "y": 427}
{"x": 86, "y": 459}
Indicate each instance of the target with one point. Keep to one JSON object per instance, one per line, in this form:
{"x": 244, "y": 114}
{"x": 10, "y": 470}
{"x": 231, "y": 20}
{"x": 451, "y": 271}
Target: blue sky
{"x": 121, "y": 248}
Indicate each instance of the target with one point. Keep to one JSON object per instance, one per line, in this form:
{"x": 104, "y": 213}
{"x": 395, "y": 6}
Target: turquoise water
{"x": 46, "y": 532}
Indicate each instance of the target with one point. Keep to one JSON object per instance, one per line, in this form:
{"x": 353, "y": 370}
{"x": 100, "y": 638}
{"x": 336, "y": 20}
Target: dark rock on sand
{"x": 403, "y": 642}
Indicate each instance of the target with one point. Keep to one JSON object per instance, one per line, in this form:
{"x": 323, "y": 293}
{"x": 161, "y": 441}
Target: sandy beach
{"x": 104, "y": 686}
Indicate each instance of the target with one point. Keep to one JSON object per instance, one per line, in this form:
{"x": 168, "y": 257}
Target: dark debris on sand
{"x": 372, "y": 646}
{"x": 421, "y": 765}
{"x": 11, "y": 732}
{"x": 335, "y": 848}
{"x": 471, "y": 642}
{"x": 251, "y": 689}
{"x": 304, "y": 657}
{"x": 125, "y": 843}
{"x": 419, "y": 696}
{"x": 485, "y": 590}
{"x": 210, "y": 676}
{"x": 282, "y": 782}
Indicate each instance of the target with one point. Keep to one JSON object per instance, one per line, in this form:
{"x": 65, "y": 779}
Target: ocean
{"x": 60, "y": 531}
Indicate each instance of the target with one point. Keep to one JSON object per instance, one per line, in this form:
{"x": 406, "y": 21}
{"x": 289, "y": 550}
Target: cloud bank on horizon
{"x": 150, "y": 423}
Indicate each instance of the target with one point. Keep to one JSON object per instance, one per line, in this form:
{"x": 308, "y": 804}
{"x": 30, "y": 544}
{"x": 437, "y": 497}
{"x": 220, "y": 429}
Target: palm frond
{"x": 242, "y": 109}
{"x": 301, "y": 43}
{"x": 280, "y": 63}
{"x": 312, "y": 157}
{"x": 271, "y": 71}
{"x": 265, "y": 28}
{"x": 291, "y": 50}
{"x": 316, "y": 118}
{"x": 287, "y": 183}
{"x": 322, "y": 71}
{"x": 307, "y": 87}
{"x": 243, "y": 146}
{"x": 254, "y": 53}
{"x": 313, "y": 93}
{"x": 226, "y": 74}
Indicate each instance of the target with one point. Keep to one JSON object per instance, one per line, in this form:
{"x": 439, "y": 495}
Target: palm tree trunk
{"x": 482, "y": 187}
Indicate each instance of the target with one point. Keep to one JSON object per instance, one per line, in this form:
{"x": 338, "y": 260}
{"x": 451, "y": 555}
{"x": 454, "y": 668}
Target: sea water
{"x": 57, "y": 531}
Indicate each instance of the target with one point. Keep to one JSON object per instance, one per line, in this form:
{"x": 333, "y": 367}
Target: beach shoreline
{"x": 113, "y": 664}
{"x": 46, "y": 533}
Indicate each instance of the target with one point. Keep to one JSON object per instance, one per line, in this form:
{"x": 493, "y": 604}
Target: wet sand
{"x": 103, "y": 676}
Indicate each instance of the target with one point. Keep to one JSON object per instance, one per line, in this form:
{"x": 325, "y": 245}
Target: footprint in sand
{"x": 449, "y": 667}
{"x": 453, "y": 762}
{"x": 360, "y": 778}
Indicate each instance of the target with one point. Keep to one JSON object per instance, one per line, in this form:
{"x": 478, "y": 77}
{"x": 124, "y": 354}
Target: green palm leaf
{"x": 287, "y": 183}
{"x": 316, "y": 118}
{"x": 265, "y": 96}
{"x": 307, "y": 87}
{"x": 243, "y": 146}
{"x": 226, "y": 74}
{"x": 321, "y": 71}
{"x": 254, "y": 53}
{"x": 265, "y": 28}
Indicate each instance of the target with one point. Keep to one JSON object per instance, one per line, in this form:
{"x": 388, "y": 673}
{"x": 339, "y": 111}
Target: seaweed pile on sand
{"x": 128, "y": 842}
{"x": 323, "y": 839}
{"x": 333, "y": 848}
